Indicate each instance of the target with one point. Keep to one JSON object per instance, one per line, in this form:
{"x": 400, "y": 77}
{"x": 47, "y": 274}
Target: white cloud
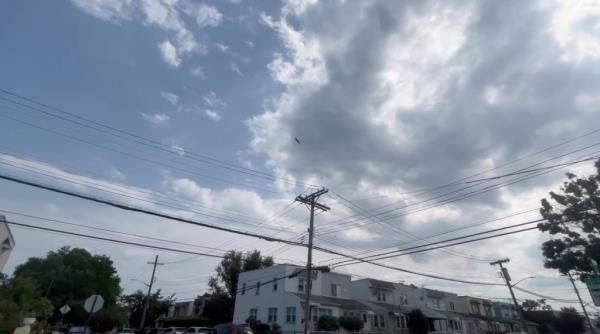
{"x": 178, "y": 149}
{"x": 170, "y": 97}
{"x": 222, "y": 47}
{"x": 164, "y": 14}
{"x": 198, "y": 71}
{"x": 205, "y": 15}
{"x": 113, "y": 11}
{"x": 235, "y": 69}
{"x": 169, "y": 53}
{"x": 115, "y": 173}
{"x": 250, "y": 44}
{"x": 214, "y": 115}
{"x": 157, "y": 119}
{"x": 211, "y": 100}
{"x": 576, "y": 26}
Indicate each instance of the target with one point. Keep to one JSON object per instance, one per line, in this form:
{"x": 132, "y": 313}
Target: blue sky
{"x": 384, "y": 98}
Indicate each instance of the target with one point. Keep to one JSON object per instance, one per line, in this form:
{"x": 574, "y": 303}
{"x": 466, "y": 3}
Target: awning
{"x": 429, "y": 313}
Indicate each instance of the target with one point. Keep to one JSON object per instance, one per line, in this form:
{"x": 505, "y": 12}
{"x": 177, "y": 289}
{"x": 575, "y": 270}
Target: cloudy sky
{"x": 225, "y": 111}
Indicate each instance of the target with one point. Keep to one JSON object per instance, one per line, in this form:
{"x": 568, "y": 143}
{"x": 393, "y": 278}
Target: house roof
{"x": 343, "y": 303}
{"x": 381, "y": 284}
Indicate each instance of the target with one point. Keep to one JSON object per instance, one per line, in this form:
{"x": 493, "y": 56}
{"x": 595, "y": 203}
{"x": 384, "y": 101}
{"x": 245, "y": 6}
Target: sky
{"x": 223, "y": 112}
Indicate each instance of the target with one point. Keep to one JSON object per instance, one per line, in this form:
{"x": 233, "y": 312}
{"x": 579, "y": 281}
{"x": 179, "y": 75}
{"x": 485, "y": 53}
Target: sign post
{"x": 64, "y": 310}
{"x": 92, "y": 305}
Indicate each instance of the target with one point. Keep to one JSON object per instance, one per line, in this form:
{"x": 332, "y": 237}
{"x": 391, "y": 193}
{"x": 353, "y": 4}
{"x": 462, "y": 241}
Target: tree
{"x": 231, "y": 266}
{"x": 533, "y": 305}
{"x": 328, "y": 323}
{"x": 572, "y": 216}
{"x": 351, "y": 323}
{"x": 71, "y": 275}
{"x": 417, "y": 322}
{"x": 157, "y": 306}
{"x": 223, "y": 286}
{"x": 570, "y": 322}
{"x": 19, "y": 298}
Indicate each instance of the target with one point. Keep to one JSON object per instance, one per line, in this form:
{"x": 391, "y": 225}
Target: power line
{"x": 82, "y": 235}
{"x": 98, "y": 126}
{"x": 415, "y": 249}
{"x": 224, "y": 229}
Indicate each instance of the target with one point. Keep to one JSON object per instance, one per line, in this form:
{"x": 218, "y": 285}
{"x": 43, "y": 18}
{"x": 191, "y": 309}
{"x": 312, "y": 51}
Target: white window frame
{"x": 272, "y": 315}
{"x": 290, "y": 315}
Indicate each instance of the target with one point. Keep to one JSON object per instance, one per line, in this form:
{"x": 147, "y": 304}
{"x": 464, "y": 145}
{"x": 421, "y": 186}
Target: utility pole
{"x": 506, "y": 277}
{"x": 147, "y": 303}
{"x": 310, "y": 200}
{"x": 587, "y": 317}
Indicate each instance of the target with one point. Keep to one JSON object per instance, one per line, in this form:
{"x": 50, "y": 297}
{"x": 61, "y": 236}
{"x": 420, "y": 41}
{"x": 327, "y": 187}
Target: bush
{"x": 350, "y": 323}
{"x": 328, "y": 323}
{"x": 417, "y": 323}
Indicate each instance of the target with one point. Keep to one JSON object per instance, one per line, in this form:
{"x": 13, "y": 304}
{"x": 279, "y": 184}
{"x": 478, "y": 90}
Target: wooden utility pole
{"x": 311, "y": 201}
{"x": 147, "y": 303}
{"x": 506, "y": 277}
{"x": 587, "y": 317}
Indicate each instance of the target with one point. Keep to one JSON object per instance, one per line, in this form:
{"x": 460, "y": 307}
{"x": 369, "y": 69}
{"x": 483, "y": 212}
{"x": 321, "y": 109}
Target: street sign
{"x": 94, "y": 303}
{"x": 64, "y": 309}
{"x": 593, "y": 284}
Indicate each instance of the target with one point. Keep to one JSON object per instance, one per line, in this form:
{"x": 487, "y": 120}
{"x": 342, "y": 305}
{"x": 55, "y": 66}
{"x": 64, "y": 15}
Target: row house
{"x": 382, "y": 306}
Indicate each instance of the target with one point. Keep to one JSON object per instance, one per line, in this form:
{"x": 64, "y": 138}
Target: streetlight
{"x": 522, "y": 279}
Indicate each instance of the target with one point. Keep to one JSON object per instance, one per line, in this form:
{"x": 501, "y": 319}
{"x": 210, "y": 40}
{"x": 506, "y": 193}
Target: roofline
{"x": 10, "y": 235}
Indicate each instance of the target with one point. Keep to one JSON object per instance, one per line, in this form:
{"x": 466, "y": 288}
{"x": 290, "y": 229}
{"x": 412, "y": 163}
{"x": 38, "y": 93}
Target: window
{"x": 488, "y": 310}
{"x": 451, "y": 306}
{"x": 243, "y": 288}
{"x": 253, "y": 313}
{"x": 275, "y": 286}
{"x": 272, "y": 315}
{"x": 290, "y": 315}
{"x": 379, "y": 295}
{"x": 258, "y": 288}
{"x": 401, "y": 321}
{"x": 475, "y": 307}
{"x": 301, "y": 283}
{"x": 435, "y": 303}
{"x": 334, "y": 290}
{"x": 403, "y": 299}
{"x": 379, "y": 321}
{"x": 364, "y": 318}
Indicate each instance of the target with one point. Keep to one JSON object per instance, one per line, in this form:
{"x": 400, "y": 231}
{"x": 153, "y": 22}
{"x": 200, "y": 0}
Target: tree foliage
{"x": 134, "y": 303}
{"x": 19, "y": 298}
{"x": 573, "y": 218}
{"x": 535, "y": 305}
{"x": 417, "y": 322}
{"x": 223, "y": 286}
{"x": 228, "y": 271}
{"x": 351, "y": 323}
{"x": 328, "y": 323}
{"x": 570, "y": 322}
{"x": 72, "y": 275}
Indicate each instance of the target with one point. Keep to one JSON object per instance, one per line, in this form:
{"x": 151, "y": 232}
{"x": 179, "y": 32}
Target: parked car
{"x": 232, "y": 329}
{"x": 78, "y": 330}
{"x": 126, "y": 331}
{"x": 200, "y": 330}
{"x": 175, "y": 330}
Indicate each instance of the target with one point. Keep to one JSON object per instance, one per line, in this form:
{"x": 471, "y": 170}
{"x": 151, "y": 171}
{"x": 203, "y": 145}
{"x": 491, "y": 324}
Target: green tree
{"x": 351, "y": 323}
{"x": 223, "y": 286}
{"x": 19, "y": 298}
{"x": 570, "y": 322}
{"x": 328, "y": 323}
{"x": 572, "y": 218}
{"x": 417, "y": 322}
{"x": 535, "y": 305}
{"x": 134, "y": 303}
{"x": 71, "y": 275}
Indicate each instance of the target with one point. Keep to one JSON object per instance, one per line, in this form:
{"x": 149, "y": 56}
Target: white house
{"x": 7, "y": 242}
{"x": 269, "y": 296}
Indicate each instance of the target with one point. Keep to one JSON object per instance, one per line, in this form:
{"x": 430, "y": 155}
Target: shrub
{"x": 351, "y": 323}
{"x": 328, "y": 323}
{"x": 417, "y": 323}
